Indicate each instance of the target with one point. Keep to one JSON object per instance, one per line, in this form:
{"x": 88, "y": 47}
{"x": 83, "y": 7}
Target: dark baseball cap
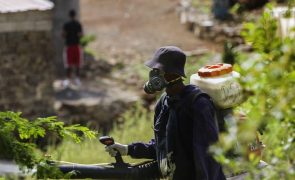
{"x": 169, "y": 59}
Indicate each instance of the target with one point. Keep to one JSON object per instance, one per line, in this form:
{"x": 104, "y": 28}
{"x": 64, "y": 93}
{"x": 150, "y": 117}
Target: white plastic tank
{"x": 220, "y": 82}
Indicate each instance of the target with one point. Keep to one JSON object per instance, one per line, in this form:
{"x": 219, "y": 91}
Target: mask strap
{"x": 174, "y": 81}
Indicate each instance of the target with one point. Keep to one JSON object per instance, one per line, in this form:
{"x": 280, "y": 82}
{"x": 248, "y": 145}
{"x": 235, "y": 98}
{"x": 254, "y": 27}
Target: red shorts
{"x": 73, "y": 56}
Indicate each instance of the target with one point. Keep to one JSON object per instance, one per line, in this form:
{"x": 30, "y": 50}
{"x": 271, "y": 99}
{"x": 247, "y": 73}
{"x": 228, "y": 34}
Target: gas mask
{"x": 157, "y": 82}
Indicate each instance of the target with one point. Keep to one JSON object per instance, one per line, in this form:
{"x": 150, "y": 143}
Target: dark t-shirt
{"x": 73, "y": 30}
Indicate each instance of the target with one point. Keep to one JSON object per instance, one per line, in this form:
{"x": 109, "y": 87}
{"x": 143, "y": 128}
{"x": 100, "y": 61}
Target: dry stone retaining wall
{"x": 26, "y": 67}
{"x": 204, "y": 26}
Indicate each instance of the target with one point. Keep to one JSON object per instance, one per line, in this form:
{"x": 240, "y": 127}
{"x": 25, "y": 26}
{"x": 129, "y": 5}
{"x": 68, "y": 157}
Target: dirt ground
{"x": 128, "y": 27}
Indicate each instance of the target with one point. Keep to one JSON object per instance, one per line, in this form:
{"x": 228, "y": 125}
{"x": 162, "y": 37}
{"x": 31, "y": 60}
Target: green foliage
{"x": 228, "y": 55}
{"x": 48, "y": 170}
{"x": 262, "y": 35}
{"x": 18, "y": 136}
{"x": 269, "y": 75}
{"x": 85, "y": 41}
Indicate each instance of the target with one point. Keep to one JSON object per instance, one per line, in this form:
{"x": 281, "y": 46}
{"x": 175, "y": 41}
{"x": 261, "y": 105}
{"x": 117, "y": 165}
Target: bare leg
{"x": 69, "y": 72}
{"x": 77, "y": 72}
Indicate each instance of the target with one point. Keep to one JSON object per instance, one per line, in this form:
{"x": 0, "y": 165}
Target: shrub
{"x": 269, "y": 74}
{"x": 18, "y": 136}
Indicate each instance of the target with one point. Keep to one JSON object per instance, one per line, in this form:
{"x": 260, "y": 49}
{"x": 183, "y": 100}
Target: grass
{"x": 136, "y": 126}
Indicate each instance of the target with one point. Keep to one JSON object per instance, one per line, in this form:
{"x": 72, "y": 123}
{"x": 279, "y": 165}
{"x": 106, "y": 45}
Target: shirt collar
{"x": 177, "y": 97}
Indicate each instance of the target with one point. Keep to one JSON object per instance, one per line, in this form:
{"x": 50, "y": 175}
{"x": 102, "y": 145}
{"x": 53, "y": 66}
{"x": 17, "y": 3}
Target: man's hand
{"x": 117, "y": 147}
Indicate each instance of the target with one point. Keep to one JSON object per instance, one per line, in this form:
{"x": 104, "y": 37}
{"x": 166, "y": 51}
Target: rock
{"x": 96, "y": 104}
{"x": 92, "y": 67}
{"x": 204, "y": 26}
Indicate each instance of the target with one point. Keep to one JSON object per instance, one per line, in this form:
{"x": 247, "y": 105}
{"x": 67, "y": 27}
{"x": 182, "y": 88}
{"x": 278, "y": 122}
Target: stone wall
{"x": 26, "y": 66}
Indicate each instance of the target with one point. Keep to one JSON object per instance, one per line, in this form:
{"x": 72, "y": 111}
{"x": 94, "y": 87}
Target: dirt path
{"x": 128, "y": 27}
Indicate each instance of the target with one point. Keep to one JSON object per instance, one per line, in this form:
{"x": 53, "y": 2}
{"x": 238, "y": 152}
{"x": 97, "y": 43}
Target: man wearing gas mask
{"x": 184, "y": 123}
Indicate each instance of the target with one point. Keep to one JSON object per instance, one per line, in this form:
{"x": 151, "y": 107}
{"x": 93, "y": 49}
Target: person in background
{"x": 221, "y": 9}
{"x": 185, "y": 123}
{"x": 72, "y": 32}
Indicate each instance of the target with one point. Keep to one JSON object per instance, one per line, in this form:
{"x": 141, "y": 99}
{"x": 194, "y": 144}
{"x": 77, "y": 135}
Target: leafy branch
{"x": 17, "y": 136}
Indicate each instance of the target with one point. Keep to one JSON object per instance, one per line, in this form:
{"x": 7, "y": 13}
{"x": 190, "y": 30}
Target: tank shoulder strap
{"x": 195, "y": 95}
{"x": 188, "y": 101}
{"x": 192, "y": 97}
